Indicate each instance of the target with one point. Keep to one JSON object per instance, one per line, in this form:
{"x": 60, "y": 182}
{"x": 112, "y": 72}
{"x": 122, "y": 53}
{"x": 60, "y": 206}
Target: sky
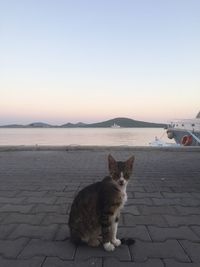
{"x": 91, "y": 60}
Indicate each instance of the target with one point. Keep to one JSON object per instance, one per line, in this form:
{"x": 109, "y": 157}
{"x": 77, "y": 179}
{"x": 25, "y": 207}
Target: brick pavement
{"x": 162, "y": 214}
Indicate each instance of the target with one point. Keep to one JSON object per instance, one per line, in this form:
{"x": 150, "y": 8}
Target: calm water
{"x": 80, "y": 136}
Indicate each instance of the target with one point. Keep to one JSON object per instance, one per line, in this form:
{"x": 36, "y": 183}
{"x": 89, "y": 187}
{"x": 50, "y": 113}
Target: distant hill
{"x": 74, "y": 125}
{"x": 126, "y": 123}
{"x": 122, "y": 122}
{"x": 39, "y": 125}
{"x": 12, "y": 126}
{"x": 31, "y": 125}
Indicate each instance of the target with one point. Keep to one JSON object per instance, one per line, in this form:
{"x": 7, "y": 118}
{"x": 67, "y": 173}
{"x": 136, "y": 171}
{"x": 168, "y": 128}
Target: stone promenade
{"x": 37, "y": 187}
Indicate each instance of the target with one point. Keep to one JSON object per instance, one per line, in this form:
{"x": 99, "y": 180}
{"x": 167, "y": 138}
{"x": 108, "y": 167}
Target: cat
{"x": 95, "y": 211}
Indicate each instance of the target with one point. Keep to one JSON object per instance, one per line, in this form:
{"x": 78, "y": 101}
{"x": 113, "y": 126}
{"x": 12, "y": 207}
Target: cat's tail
{"x": 75, "y": 239}
{"x": 128, "y": 241}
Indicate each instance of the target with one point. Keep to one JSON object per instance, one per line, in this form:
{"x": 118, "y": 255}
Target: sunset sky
{"x": 90, "y": 60}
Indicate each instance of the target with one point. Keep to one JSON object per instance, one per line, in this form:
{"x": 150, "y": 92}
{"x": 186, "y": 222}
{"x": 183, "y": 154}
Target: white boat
{"x": 116, "y": 126}
{"x": 185, "y": 132}
{"x": 160, "y": 143}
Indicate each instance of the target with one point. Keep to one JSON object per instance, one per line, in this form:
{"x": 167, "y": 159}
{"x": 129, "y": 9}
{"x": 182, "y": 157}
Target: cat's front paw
{"x": 108, "y": 246}
{"x": 116, "y": 242}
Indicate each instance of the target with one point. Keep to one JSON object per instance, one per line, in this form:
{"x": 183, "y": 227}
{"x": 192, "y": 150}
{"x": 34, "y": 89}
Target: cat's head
{"x": 120, "y": 171}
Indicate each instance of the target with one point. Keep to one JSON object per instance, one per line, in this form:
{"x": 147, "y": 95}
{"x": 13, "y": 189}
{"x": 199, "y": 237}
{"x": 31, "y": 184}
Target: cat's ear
{"x": 129, "y": 163}
{"x": 111, "y": 162}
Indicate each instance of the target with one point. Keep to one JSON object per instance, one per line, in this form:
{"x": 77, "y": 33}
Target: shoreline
{"x": 7, "y": 148}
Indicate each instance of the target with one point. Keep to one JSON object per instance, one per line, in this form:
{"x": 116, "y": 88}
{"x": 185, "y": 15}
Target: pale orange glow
{"x": 95, "y": 105}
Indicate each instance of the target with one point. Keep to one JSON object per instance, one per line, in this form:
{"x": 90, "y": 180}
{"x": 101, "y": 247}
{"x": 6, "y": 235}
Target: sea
{"x": 81, "y": 136}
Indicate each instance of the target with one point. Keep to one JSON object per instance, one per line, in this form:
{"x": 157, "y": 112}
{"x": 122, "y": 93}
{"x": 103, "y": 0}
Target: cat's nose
{"x": 121, "y": 182}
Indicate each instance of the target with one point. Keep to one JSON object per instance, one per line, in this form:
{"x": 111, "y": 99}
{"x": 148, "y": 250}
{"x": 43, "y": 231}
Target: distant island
{"x": 120, "y": 122}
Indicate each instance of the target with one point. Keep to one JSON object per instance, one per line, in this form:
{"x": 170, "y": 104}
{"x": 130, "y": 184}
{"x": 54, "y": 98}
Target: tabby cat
{"x": 96, "y": 209}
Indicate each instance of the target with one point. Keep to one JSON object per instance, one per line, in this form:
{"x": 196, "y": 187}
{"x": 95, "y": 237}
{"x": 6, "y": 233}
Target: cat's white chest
{"x": 124, "y": 196}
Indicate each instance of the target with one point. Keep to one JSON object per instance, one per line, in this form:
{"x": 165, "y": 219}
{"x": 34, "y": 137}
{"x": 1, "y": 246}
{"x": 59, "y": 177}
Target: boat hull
{"x": 179, "y": 135}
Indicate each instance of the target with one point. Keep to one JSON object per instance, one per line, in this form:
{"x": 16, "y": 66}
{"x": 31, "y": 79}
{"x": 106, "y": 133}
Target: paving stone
{"x": 187, "y": 210}
{"x": 45, "y": 200}
{"x": 8, "y": 193}
{"x": 23, "y": 218}
{"x": 41, "y": 208}
{"x": 165, "y": 233}
{"x": 34, "y": 231}
{"x": 56, "y": 262}
{"x": 64, "y": 194}
{"x": 141, "y": 251}
{"x": 55, "y": 218}
{"x": 182, "y": 220}
{"x": 32, "y": 193}
{"x": 195, "y": 194}
{"x": 183, "y": 188}
{"x": 152, "y": 189}
{"x": 52, "y": 187}
{"x": 5, "y": 230}
{"x": 131, "y": 209}
{"x": 84, "y": 252}
{"x": 72, "y": 186}
{"x": 129, "y": 194}
{"x": 147, "y": 195}
{"x": 62, "y": 233}
{"x": 131, "y": 220}
{"x": 133, "y": 188}
{"x": 33, "y": 262}
{"x": 196, "y": 229}
{"x": 28, "y": 187}
{"x": 159, "y": 210}
{"x": 190, "y": 202}
{"x": 70, "y": 194}
{"x": 3, "y": 217}
{"x": 11, "y": 248}
{"x": 62, "y": 249}
{"x": 138, "y": 232}
{"x": 108, "y": 262}
{"x": 63, "y": 200}
{"x": 177, "y": 195}
{"x": 173, "y": 263}
{"x": 192, "y": 249}
{"x": 13, "y": 200}
{"x": 176, "y": 201}
{"x": 140, "y": 201}
{"x": 166, "y": 201}
{"x": 16, "y": 208}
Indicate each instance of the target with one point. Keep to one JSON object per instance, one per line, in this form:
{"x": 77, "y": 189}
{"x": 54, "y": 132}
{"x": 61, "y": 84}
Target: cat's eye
{"x": 126, "y": 175}
{"x": 116, "y": 175}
